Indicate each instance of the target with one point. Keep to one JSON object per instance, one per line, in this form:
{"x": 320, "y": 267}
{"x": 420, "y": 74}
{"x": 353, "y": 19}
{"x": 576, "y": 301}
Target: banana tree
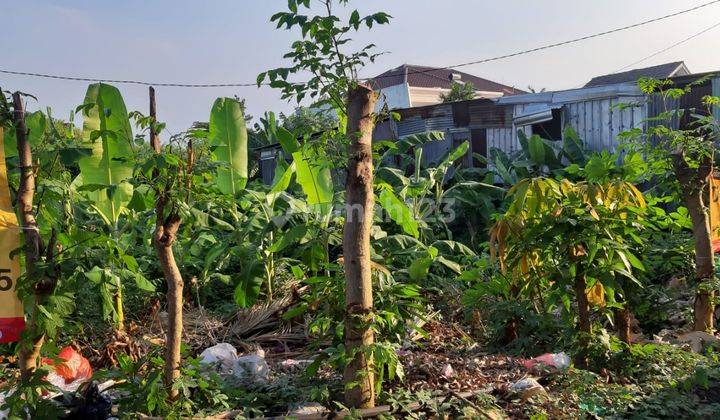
{"x": 429, "y": 190}
{"x": 228, "y": 139}
{"x": 538, "y": 157}
{"x": 106, "y": 172}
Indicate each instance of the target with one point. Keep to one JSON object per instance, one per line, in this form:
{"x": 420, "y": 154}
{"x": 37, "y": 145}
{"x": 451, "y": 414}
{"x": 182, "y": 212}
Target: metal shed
{"x": 597, "y": 114}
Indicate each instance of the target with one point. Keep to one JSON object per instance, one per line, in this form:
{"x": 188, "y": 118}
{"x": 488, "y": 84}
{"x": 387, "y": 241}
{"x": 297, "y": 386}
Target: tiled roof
{"x": 431, "y": 77}
{"x": 661, "y": 71}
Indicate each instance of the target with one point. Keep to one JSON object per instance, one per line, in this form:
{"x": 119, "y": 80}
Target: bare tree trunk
{"x": 30, "y": 351}
{"x": 164, "y": 237}
{"x": 584, "y": 325}
{"x": 693, "y": 182}
{"x": 623, "y": 325}
{"x": 359, "y": 201}
{"x": 166, "y": 228}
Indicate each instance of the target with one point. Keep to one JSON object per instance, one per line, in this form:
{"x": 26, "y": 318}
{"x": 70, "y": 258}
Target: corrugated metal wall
{"x": 598, "y": 122}
{"x": 440, "y": 118}
{"x": 410, "y": 125}
{"x": 504, "y": 139}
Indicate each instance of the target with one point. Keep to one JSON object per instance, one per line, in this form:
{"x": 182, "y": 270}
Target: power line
{"x": 129, "y": 82}
{"x": 575, "y": 40}
{"x": 669, "y": 47}
{"x": 469, "y": 63}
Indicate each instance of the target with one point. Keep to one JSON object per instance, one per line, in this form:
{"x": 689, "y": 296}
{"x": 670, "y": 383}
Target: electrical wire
{"x": 668, "y": 48}
{"x": 454, "y": 66}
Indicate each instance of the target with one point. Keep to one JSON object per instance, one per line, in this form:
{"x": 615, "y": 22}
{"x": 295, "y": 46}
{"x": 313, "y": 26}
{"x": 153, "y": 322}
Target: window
{"x": 550, "y": 129}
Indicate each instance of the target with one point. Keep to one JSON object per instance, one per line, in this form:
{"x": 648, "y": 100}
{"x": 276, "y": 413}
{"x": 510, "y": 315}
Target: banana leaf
{"x": 228, "y": 138}
{"x": 399, "y": 212}
{"x": 313, "y": 175}
{"x": 106, "y": 131}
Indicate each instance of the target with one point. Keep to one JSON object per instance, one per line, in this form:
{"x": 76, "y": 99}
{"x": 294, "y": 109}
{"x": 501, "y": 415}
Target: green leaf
{"x": 36, "y": 124}
{"x": 283, "y": 176}
{"x": 313, "y": 175}
{"x": 399, "y": 212}
{"x": 228, "y": 138}
{"x": 536, "y": 150}
{"x": 634, "y": 261}
{"x": 288, "y": 238}
{"x": 420, "y": 268}
{"x": 71, "y": 155}
{"x": 248, "y": 289}
{"x": 143, "y": 283}
{"x": 287, "y": 140}
{"x": 109, "y": 163}
{"x": 452, "y": 265}
{"x": 457, "y": 153}
{"x": 573, "y": 147}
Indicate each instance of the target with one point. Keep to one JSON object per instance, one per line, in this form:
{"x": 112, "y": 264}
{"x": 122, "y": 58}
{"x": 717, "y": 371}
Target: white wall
{"x": 397, "y": 96}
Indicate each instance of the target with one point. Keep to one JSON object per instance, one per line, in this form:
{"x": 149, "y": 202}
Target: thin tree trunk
{"x": 584, "y": 325}
{"x": 166, "y": 229}
{"x": 359, "y": 201}
{"x": 30, "y": 350}
{"x": 583, "y": 305}
{"x": 622, "y": 323}
{"x": 693, "y": 182}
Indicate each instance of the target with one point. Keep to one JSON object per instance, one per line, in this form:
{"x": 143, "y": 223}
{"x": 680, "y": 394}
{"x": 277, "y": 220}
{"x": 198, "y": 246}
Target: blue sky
{"x": 215, "y": 41}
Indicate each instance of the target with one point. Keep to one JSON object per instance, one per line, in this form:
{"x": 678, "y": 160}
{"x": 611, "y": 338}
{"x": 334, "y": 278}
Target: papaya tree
{"x": 322, "y": 51}
{"x": 687, "y": 151}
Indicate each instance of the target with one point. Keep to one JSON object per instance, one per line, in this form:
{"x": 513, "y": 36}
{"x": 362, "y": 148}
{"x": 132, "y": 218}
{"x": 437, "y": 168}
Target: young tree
{"x": 688, "y": 153}
{"x": 333, "y": 77}
{"x": 561, "y": 236}
{"x": 459, "y": 92}
{"x": 167, "y": 225}
{"x": 39, "y": 279}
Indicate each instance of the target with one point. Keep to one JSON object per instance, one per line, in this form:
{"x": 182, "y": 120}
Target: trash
{"x": 448, "y": 372}
{"x": 223, "y": 355}
{"x": 71, "y": 373}
{"x": 3, "y": 413}
{"x": 527, "y": 388}
{"x": 252, "y": 366}
{"x": 306, "y": 409}
{"x": 558, "y": 361}
{"x": 91, "y": 404}
{"x": 289, "y": 365}
{"x": 698, "y": 340}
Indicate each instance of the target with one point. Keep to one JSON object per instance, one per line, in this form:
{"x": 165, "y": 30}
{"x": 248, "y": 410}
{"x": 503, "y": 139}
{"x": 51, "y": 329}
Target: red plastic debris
{"x": 554, "y": 360}
{"x": 74, "y": 367}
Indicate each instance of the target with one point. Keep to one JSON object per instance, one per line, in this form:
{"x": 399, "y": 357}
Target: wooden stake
{"x": 154, "y": 138}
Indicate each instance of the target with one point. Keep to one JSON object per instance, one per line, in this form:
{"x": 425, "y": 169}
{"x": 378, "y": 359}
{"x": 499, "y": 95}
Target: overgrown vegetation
{"x": 363, "y": 272}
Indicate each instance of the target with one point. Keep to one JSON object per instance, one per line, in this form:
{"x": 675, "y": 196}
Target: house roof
{"x": 433, "y": 77}
{"x": 662, "y": 71}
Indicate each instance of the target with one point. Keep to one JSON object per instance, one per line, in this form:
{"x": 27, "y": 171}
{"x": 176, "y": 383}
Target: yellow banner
{"x": 12, "y": 319}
